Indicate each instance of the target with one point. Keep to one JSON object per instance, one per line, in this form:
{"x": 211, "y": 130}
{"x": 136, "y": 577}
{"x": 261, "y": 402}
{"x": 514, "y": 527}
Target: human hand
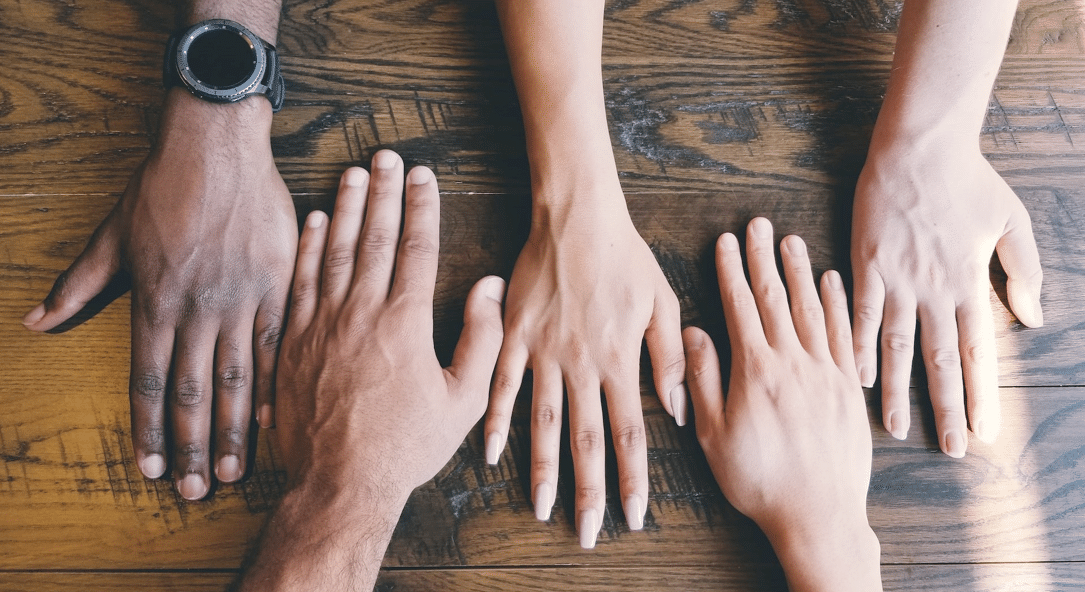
{"x": 585, "y": 291}
{"x": 365, "y": 413}
{"x": 924, "y": 227}
{"x": 790, "y": 444}
{"x": 206, "y": 231}
{"x": 361, "y": 394}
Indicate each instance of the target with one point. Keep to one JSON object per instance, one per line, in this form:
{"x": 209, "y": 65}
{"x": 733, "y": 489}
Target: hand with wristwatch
{"x": 206, "y": 235}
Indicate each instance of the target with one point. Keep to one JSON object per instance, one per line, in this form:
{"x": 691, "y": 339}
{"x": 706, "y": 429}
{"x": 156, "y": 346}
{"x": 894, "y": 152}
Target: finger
{"x": 806, "y": 310}
{"x": 664, "y": 339}
{"x": 87, "y": 276}
{"x": 267, "y": 338}
{"x": 739, "y": 309}
{"x": 476, "y": 352}
{"x": 545, "y": 438}
{"x": 380, "y": 233}
{"x": 232, "y": 401}
{"x": 630, "y": 447}
{"x": 416, "y": 261}
{"x": 152, "y": 346}
{"x": 869, "y": 301}
{"x": 980, "y": 366}
{"x": 1019, "y": 257}
{"x": 837, "y": 324}
{"x": 305, "y": 292}
{"x": 589, "y": 461}
{"x": 191, "y": 408}
{"x": 767, "y": 287}
{"x": 508, "y": 375}
{"x": 898, "y": 343}
{"x": 942, "y": 358}
{"x": 703, "y": 377}
{"x": 346, "y": 226}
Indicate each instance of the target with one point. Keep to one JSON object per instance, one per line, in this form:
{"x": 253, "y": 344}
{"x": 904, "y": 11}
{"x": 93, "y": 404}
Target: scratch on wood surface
{"x": 1062, "y": 122}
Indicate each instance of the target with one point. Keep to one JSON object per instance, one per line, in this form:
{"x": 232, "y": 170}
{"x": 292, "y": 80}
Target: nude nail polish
{"x": 678, "y": 404}
{"x": 588, "y": 527}
{"x": 493, "y": 448}
{"x": 634, "y": 511}
{"x": 544, "y": 501}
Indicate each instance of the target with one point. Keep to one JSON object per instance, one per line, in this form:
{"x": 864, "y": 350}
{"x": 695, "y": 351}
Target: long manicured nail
{"x": 192, "y": 487}
{"x": 895, "y": 426}
{"x": 544, "y": 500}
{"x": 955, "y": 444}
{"x": 678, "y": 404}
{"x": 152, "y": 466}
{"x": 228, "y": 468}
{"x": 588, "y": 527}
{"x": 493, "y": 448}
{"x": 34, "y": 315}
{"x": 634, "y": 511}
{"x": 265, "y": 416}
{"x": 866, "y": 376}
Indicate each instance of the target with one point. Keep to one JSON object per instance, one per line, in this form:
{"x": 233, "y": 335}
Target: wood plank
{"x": 976, "y": 578}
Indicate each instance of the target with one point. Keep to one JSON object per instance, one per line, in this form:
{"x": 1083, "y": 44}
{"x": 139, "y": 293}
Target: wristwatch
{"x": 221, "y": 61}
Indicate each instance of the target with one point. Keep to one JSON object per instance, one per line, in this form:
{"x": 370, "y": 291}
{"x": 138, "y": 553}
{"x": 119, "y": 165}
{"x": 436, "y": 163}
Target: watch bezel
{"x": 251, "y": 84}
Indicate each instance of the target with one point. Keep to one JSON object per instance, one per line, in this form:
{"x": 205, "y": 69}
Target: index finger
{"x": 416, "y": 261}
{"x": 739, "y": 309}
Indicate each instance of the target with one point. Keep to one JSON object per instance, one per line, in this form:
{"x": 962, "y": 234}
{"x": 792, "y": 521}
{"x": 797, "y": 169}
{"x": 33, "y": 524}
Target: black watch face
{"x": 221, "y": 61}
{"x": 221, "y": 58}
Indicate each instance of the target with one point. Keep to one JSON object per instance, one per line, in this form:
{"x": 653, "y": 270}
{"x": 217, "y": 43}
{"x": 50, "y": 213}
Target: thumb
{"x": 476, "y": 352}
{"x": 83, "y": 280}
{"x": 703, "y": 377}
{"x": 1019, "y": 257}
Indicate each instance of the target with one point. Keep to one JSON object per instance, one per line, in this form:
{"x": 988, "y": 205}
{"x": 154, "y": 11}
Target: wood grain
{"x": 720, "y": 111}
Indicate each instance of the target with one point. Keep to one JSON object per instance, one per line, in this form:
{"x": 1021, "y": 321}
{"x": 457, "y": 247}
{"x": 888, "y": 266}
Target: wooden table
{"x": 720, "y": 111}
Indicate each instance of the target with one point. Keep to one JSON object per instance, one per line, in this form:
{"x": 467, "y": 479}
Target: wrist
{"x": 843, "y": 555}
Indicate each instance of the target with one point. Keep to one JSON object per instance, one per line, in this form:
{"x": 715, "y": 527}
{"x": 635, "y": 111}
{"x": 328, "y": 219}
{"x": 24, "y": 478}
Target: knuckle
{"x": 305, "y": 290}
{"x": 546, "y": 417}
{"x": 868, "y": 313}
{"x": 191, "y": 453}
{"x": 945, "y": 359}
{"x": 189, "y": 393}
{"x": 978, "y": 353}
{"x": 418, "y": 247}
{"x": 338, "y": 258}
{"x": 504, "y": 384}
{"x": 149, "y": 388}
{"x": 232, "y": 438}
{"x": 270, "y": 336}
{"x": 588, "y": 442}
{"x": 629, "y": 437}
{"x": 810, "y": 310}
{"x": 378, "y": 239}
{"x": 769, "y": 292}
{"x": 150, "y": 438}
{"x": 588, "y": 496}
{"x": 898, "y": 342}
{"x": 543, "y": 466}
{"x": 233, "y": 377}
{"x": 756, "y": 365}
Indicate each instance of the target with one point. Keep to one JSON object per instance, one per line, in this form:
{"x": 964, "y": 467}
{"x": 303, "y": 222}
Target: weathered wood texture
{"x": 720, "y": 110}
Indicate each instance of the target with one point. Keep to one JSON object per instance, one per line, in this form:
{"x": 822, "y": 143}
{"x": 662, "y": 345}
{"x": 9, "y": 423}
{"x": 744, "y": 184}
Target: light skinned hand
{"x": 364, "y": 412}
{"x": 926, "y": 222}
{"x": 790, "y": 441}
{"x": 585, "y": 291}
{"x": 207, "y": 232}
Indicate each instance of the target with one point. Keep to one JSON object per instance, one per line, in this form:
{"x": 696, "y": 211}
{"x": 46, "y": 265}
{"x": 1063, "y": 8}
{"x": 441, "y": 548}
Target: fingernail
{"x": 544, "y": 500}
{"x": 728, "y": 242}
{"x": 761, "y": 228}
{"x": 152, "y": 466}
{"x": 315, "y": 219}
{"x": 419, "y": 175}
{"x": 265, "y": 416}
{"x": 984, "y": 432}
{"x": 678, "y": 404}
{"x": 493, "y": 448}
{"x": 634, "y": 511}
{"x": 866, "y": 376}
{"x": 385, "y": 159}
{"x": 192, "y": 487}
{"x": 354, "y": 177}
{"x": 833, "y": 277}
{"x": 954, "y": 444}
{"x": 588, "y": 527}
{"x": 494, "y": 289}
{"x": 34, "y": 315}
{"x": 796, "y": 246}
{"x": 228, "y": 468}
{"x": 895, "y": 426}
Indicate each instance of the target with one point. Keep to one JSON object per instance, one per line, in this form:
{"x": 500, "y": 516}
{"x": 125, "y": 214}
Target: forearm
{"x": 318, "y": 540}
{"x": 259, "y": 16}
{"x": 842, "y": 559}
{"x": 947, "y": 57}
{"x": 555, "y": 48}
